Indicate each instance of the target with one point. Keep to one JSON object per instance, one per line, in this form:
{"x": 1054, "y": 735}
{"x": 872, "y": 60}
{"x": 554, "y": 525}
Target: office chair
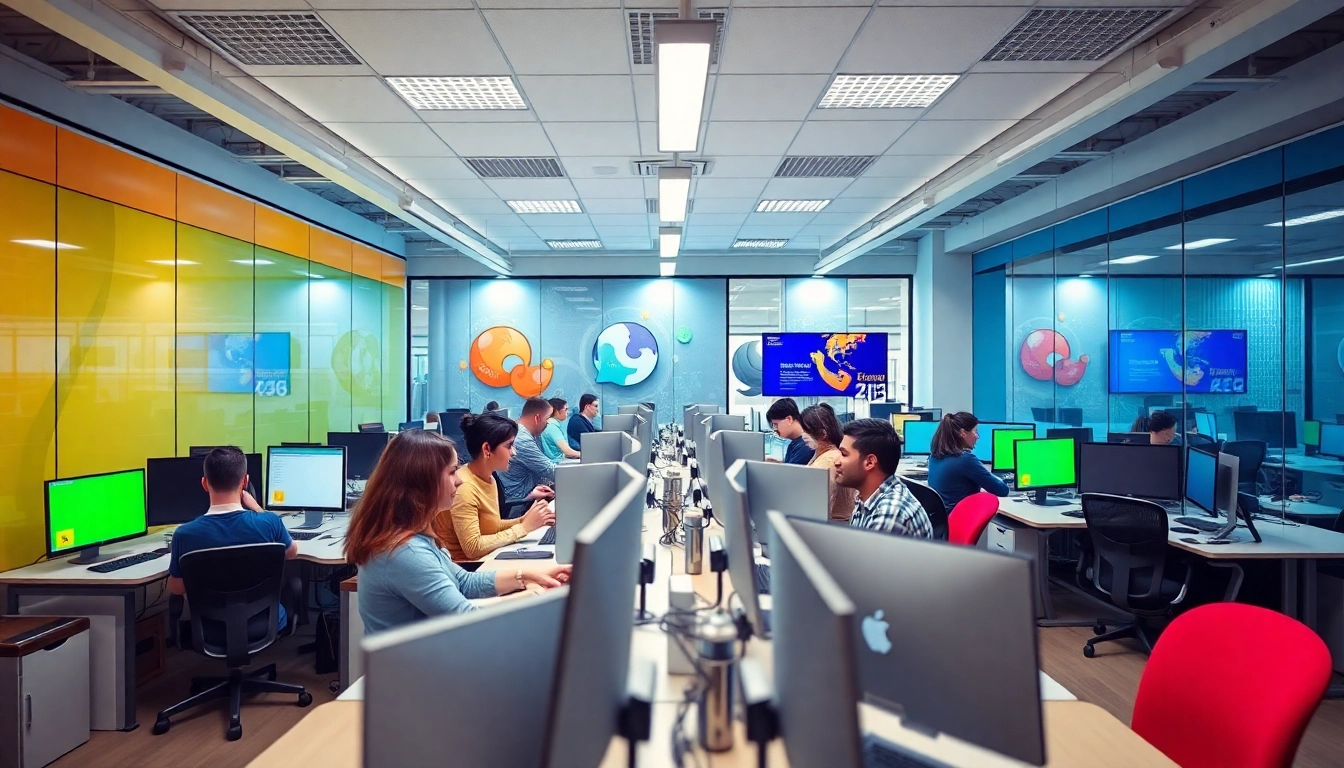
{"x": 1250, "y": 454}
{"x": 933, "y": 506}
{"x": 1071, "y": 416}
{"x": 1129, "y": 564}
{"x": 1193, "y": 439}
{"x": 1272, "y": 677}
{"x": 970, "y": 518}
{"x": 509, "y": 509}
{"x": 372, "y": 426}
{"x": 234, "y": 594}
{"x": 1046, "y": 415}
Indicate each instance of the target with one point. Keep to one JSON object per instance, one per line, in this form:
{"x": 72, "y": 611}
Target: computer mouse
{"x": 1183, "y": 529}
{"x": 1072, "y": 513}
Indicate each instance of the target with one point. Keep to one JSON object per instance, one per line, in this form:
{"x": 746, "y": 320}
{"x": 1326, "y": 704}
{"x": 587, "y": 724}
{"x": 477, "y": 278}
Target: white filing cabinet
{"x": 44, "y": 688}
{"x": 1000, "y": 536}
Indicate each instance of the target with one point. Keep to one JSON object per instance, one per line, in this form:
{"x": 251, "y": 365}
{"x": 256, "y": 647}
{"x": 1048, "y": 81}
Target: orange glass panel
{"x": 331, "y": 250}
{"x": 97, "y": 169}
{"x": 394, "y": 271}
{"x": 367, "y": 262}
{"x": 282, "y": 233}
{"x": 27, "y": 145}
{"x": 213, "y": 209}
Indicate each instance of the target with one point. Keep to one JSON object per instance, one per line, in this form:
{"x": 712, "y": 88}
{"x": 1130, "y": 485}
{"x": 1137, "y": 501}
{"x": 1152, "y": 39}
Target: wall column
{"x": 941, "y": 315}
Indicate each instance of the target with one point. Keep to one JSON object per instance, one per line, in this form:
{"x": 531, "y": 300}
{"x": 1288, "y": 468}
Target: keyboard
{"x": 126, "y": 562}
{"x": 305, "y": 535}
{"x": 549, "y": 536}
{"x": 882, "y": 754}
{"x": 1201, "y": 524}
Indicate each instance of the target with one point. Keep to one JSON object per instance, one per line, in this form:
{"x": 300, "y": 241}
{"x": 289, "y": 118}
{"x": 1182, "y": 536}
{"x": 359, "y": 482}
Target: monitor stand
{"x": 312, "y": 518}
{"x": 1041, "y": 500}
{"x": 89, "y": 556}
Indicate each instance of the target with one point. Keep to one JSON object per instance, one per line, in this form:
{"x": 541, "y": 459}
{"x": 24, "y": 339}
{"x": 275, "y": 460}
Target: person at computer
{"x": 822, "y": 433}
{"x": 582, "y": 421}
{"x": 1162, "y": 429}
{"x": 432, "y": 421}
{"x": 229, "y": 522}
{"x": 955, "y": 472}
{"x": 869, "y": 454}
{"x": 554, "y": 441}
{"x": 404, "y": 575}
{"x": 529, "y": 468}
{"x": 493, "y": 405}
{"x": 785, "y": 421}
{"x": 473, "y": 528}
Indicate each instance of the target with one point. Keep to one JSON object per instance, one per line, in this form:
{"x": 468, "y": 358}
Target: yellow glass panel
{"x": 27, "y": 364}
{"x": 366, "y": 351}
{"x": 115, "y": 336}
{"x": 215, "y": 340}
{"x": 396, "y": 368}
{"x": 329, "y": 340}
{"x": 282, "y": 308}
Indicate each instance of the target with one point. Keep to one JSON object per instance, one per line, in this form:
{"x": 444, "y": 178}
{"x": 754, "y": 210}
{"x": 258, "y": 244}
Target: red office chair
{"x": 1231, "y": 686}
{"x": 968, "y": 519}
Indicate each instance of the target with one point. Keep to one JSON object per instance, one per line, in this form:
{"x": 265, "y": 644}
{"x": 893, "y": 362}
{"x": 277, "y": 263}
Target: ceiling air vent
{"x": 833, "y": 166}
{"x": 516, "y": 167}
{"x": 650, "y": 167}
{"x": 271, "y": 39}
{"x": 641, "y": 33}
{"x": 1067, "y": 34}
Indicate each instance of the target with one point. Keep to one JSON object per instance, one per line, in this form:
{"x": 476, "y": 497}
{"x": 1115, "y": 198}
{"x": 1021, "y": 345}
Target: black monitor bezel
{"x": 265, "y": 502}
{"x": 46, "y": 504}
{"x": 1017, "y": 476}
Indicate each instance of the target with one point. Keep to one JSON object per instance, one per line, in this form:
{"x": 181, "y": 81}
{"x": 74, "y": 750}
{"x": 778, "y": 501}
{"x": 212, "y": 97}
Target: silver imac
{"x": 622, "y": 409}
{"x": 620, "y": 422}
{"x": 602, "y": 447}
{"x": 725, "y": 449}
{"x": 581, "y": 492}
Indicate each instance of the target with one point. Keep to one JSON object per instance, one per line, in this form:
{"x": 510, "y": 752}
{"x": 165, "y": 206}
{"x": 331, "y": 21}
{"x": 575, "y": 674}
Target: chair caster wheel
{"x": 160, "y": 727}
{"x": 305, "y": 699}
{"x": 1089, "y": 651}
{"x": 235, "y": 732}
{"x": 1099, "y": 628}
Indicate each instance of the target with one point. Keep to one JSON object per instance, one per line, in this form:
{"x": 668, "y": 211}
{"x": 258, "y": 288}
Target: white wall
{"x": 941, "y": 315}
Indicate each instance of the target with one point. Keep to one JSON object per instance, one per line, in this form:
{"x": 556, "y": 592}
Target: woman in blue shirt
{"x": 954, "y": 471}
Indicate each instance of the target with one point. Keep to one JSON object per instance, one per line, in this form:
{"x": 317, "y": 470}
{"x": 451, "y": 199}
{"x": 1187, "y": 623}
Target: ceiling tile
{"x": 478, "y": 116}
{"x": 392, "y": 139}
{"x": 1083, "y": 67}
{"x": 593, "y": 138}
{"x": 782, "y": 220}
{"x": 554, "y": 232}
{"x": 580, "y": 98}
{"x": 595, "y": 167}
{"x": 532, "y": 189}
{"x": 745, "y": 166}
{"x": 934, "y": 39}
{"x": 646, "y": 97}
{"x": 781, "y": 229}
{"x": 846, "y": 220}
{"x": 454, "y": 189}
{"x": 869, "y": 137}
{"x": 718, "y": 219}
{"x": 619, "y": 220}
{"x": 420, "y": 43}
{"x": 878, "y": 187}
{"x": 766, "y": 97}
{"x": 732, "y": 138}
{"x": 868, "y": 205}
{"x": 343, "y": 99}
{"x": 710, "y": 187}
{"x": 623, "y": 232}
{"x": 724, "y": 205}
{"x": 925, "y": 167}
{"x": 781, "y": 41}
{"x": 803, "y": 189}
{"x": 556, "y": 220}
{"x": 563, "y": 42}
{"x": 694, "y": 227}
{"x": 928, "y": 137}
{"x": 408, "y": 168}
{"x": 1000, "y": 96}
{"x": 866, "y": 114}
{"x": 323, "y": 5}
{"x": 495, "y": 139}
{"x": 487, "y": 206}
{"x": 491, "y": 224}
{"x": 610, "y": 188}
{"x": 615, "y": 205}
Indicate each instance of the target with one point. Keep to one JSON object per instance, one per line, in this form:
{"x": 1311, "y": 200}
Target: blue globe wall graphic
{"x": 624, "y": 354}
{"x": 748, "y": 368}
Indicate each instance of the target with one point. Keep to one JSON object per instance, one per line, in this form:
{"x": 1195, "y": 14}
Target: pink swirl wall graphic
{"x": 1045, "y": 355}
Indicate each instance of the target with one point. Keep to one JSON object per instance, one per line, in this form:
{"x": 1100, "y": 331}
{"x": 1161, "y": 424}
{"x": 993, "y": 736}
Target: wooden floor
{"x": 1109, "y": 680}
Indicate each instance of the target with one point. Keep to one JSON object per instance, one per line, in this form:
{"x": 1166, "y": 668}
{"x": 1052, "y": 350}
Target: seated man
{"x": 554, "y": 441}
{"x": 1162, "y": 429}
{"x": 869, "y": 453}
{"x": 227, "y": 523}
{"x": 583, "y": 420}
{"x": 529, "y": 467}
{"x": 787, "y": 422}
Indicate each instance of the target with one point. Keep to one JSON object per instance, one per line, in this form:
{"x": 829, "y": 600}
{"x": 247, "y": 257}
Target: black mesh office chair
{"x": 1196, "y": 439}
{"x": 1250, "y": 455}
{"x": 1043, "y": 414}
{"x": 1071, "y": 416}
{"x": 234, "y": 598}
{"x": 933, "y": 506}
{"x": 509, "y": 508}
{"x": 1129, "y": 564}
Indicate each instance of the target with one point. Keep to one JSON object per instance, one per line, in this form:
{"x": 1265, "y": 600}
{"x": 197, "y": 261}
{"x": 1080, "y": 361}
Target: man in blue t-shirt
{"x": 227, "y": 523}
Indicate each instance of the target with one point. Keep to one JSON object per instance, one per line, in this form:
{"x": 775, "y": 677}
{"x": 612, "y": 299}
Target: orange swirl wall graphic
{"x": 493, "y": 347}
{"x": 1037, "y": 350}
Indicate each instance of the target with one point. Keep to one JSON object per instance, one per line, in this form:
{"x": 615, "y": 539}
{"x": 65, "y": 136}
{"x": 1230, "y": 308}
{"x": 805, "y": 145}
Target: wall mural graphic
{"x": 624, "y": 354}
{"x": 1046, "y": 355}
{"x": 502, "y": 357}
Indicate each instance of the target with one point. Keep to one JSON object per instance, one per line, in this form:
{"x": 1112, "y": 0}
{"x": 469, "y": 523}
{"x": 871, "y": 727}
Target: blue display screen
{"x": 918, "y": 437}
{"x": 1201, "y": 474}
{"x": 825, "y": 365}
{"x": 247, "y": 363}
{"x": 1195, "y": 362}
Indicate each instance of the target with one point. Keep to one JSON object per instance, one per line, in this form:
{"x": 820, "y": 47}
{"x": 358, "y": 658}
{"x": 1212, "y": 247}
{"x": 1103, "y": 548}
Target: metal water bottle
{"x": 693, "y": 525}
{"x": 716, "y": 644}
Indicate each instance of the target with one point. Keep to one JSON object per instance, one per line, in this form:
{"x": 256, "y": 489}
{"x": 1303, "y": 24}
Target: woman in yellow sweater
{"x": 473, "y": 528}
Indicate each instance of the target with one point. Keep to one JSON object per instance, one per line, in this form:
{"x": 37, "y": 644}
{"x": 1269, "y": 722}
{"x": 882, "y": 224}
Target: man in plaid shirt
{"x": 869, "y": 453}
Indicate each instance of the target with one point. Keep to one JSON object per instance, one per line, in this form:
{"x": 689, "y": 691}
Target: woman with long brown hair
{"x": 954, "y": 470}
{"x": 403, "y": 573}
{"x": 821, "y": 433}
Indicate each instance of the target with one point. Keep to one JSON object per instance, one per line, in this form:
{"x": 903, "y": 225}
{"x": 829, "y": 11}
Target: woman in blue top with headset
{"x": 954, "y": 471}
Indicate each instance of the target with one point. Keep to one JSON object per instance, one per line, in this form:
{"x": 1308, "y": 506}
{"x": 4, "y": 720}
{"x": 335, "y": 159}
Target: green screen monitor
{"x": 84, "y": 513}
{"x": 1043, "y": 464}
{"x": 1003, "y": 446}
{"x": 1311, "y": 433}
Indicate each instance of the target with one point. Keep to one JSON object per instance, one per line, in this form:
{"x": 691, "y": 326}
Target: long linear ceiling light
{"x": 669, "y": 242}
{"x": 446, "y": 233}
{"x": 682, "y": 63}
{"x": 674, "y": 190}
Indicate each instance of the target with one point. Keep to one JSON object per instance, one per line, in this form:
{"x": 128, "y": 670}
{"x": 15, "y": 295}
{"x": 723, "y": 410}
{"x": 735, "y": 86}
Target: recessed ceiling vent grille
{"x": 651, "y": 205}
{"x": 271, "y": 39}
{"x": 835, "y": 166}
{"x": 516, "y": 167}
{"x": 1065, "y": 34}
{"x": 641, "y": 33}
{"x": 650, "y": 167}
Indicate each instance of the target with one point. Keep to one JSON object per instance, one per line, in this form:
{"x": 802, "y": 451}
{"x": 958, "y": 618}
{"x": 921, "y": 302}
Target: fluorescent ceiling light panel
{"x": 791, "y": 206}
{"x": 759, "y": 243}
{"x": 1135, "y": 259}
{"x": 885, "y": 91}
{"x": 682, "y": 64}
{"x": 1313, "y": 261}
{"x": 1196, "y": 244}
{"x": 436, "y": 93}
{"x": 674, "y": 192}
{"x": 574, "y": 245}
{"x": 1312, "y": 219}
{"x": 48, "y": 244}
{"x": 545, "y": 206}
{"x": 669, "y": 242}
{"x": 315, "y": 276}
{"x": 667, "y": 268}
{"x": 170, "y": 262}
{"x": 253, "y": 262}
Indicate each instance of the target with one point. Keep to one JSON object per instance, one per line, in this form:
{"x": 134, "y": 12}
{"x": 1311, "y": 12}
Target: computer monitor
{"x": 917, "y": 437}
{"x": 984, "y": 447}
{"x": 1001, "y": 446}
{"x": 625, "y": 409}
{"x": 408, "y": 425}
{"x": 591, "y": 675}
{"x": 1131, "y": 469}
{"x": 602, "y": 447}
{"x": 1278, "y": 429}
{"x": 1332, "y": 441}
{"x": 173, "y": 492}
{"x": 928, "y": 414}
{"x": 1207, "y": 424}
{"x": 722, "y": 422}
{"x": 930, "y": 671}
{"x": 1311, "y": 433}
{"x": 1133, "y": 438}
{"x": 86, "y": 512}
{"x": 372, "y": 426}
{"x": 884, "y": 410}
{"x": 1080, "y": 435}
{"x": 362, "y": 451}
{"x": 1201, "y": 479}
{"x": 310, "y": 478}
{"x": 581, "y": 492}
{"x": 1226, "y": 495}
{"x": 410, "y": 682}
{"x": 898, "y": 420}
{"x": 1044, "y": 464}
{"x": 620, "y": 422}
{"x": 725, "y": 449}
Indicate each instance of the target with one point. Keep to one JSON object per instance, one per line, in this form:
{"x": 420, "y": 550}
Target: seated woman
{"x": 473, "y": 527}
{"x": 954, "y": 471}
{"x": 403, "y": 574}
{"x": 821, "y": 432}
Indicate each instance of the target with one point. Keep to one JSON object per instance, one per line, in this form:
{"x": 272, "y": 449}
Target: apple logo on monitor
{"x": 874, "y": 631}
